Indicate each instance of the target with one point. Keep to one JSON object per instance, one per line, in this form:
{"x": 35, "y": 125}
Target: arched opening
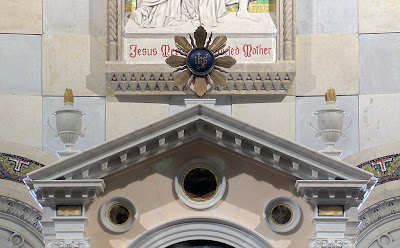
{"x": 199, "y": 231}
{"x": 200, "y": 244}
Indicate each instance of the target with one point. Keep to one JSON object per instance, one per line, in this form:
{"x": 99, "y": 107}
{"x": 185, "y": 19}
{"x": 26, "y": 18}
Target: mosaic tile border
{"x": 15, "y": 168}
{"x": 386, "y": 168}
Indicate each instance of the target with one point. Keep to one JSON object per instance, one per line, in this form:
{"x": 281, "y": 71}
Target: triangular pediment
{"x": 200, "y": 122}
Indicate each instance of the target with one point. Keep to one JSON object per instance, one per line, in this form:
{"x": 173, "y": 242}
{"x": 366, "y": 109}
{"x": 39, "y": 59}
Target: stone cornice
{"x": 200, "y": 123}
{"x": 334, "y": 192}
{"x": 58, "y": 192}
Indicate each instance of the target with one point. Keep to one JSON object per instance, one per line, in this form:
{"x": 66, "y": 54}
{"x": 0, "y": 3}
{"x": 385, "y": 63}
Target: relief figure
{"x": 164, "y": 13}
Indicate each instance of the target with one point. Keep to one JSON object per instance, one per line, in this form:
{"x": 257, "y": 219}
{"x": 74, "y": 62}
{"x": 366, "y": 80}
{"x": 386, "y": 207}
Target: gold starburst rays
{"x": 198, "y": 63}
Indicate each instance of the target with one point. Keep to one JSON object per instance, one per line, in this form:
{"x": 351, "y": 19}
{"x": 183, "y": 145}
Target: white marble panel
{"x": 21, "y": 120}
{"x": 377, "y": 16}
{"x": 20, "y": 64}
{"x": 156, "y": 50}
{"x": 306, "y": 107}
{"x": 275, "y": 117}
{"x": 379, "y": 63}
{"x": 94, "y": 107}
{"x": 379, "y": 119}
{"x": 327, "y": 60}
{"x": 74, "y": 61}
{"x": 326, "y": 16}
{"x": 21, "y": 16}
{"x": 228, "y": 24}
{"x": 73, "y": 17}
{"x": 125, "y": 117}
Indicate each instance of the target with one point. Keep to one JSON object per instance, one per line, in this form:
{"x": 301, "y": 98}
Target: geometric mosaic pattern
{"x": 386, "y": 169}
{"x": 15, "y": 168}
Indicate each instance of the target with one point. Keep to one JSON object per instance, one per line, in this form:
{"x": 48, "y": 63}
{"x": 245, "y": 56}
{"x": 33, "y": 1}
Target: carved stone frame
{"x": 257, "y": 79}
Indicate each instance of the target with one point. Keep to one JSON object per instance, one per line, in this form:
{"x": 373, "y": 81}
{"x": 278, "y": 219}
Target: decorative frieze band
{"x": 150, "y": 83}
{"x": 22, "y": 211}
{"x": 331, "y": 243}
{"x": 74, "y": 243}
{"x": 378, "y": 211}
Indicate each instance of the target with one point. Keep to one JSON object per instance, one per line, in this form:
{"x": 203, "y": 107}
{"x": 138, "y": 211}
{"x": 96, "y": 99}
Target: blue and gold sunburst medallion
{"x": 199, "y": 63}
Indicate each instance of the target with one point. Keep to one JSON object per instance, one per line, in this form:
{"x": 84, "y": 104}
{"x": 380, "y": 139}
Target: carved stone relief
{"x": 21, "y": 210}
{"x": 271, "y": 73}
{"x": 331, "y": 243}
{"x": 75, "y": 243}
{"x": 380, "y": 224}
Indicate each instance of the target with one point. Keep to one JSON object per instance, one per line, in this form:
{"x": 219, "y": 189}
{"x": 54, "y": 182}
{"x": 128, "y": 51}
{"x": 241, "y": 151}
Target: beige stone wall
{"x": 150, "y": 187}
{"x": 350, "y": 45}
{"x": 48, "y": 46}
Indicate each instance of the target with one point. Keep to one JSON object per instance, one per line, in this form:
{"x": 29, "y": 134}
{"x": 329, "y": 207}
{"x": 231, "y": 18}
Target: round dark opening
{"x": 200, "y": 184}
{"x": 118, "y": 214}
{"x": 281, "y": 214}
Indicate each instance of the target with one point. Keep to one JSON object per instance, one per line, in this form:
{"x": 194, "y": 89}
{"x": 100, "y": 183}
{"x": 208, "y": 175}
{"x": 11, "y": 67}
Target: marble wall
{"x": 350, "y": 45}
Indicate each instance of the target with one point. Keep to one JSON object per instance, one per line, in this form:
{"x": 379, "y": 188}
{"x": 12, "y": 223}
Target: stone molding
{"x": 201, "y": 124}
{"x": 331, "y": 243}
{"x": 329, "y": 219}
{"x": 22, "y": 211}
{"x": 334, "y": 192}
{"x": 192, "y": 228}
{"x": 65, "y": 243}
{"x": 378, "y": 212}
{"x": 113, "y": 29}
{"x": 59, "y": 192}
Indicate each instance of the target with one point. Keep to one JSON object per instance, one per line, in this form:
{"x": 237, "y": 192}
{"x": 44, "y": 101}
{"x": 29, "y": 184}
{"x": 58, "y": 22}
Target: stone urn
{"x": 68, "y": 124}
{"x": 330, "y": 122}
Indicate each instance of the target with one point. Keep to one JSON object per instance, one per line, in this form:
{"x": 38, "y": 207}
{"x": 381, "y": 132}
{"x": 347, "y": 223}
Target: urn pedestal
{"x": 330, "y": 121}
{"x": 68, "y": 128}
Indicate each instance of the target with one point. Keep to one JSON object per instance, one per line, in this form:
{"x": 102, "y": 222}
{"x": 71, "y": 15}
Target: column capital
{"x": 69, "y": 192}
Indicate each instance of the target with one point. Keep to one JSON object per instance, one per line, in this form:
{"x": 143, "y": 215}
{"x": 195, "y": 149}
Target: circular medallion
{"x": 200, "y": 61}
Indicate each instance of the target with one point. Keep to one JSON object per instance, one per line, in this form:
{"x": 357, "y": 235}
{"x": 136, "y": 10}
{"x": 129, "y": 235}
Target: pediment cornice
{"x": 202, "y": 123}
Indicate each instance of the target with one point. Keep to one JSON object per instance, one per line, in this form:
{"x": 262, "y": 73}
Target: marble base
{"x": 66, "y": 153}
{"x": 332, "y": 152}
